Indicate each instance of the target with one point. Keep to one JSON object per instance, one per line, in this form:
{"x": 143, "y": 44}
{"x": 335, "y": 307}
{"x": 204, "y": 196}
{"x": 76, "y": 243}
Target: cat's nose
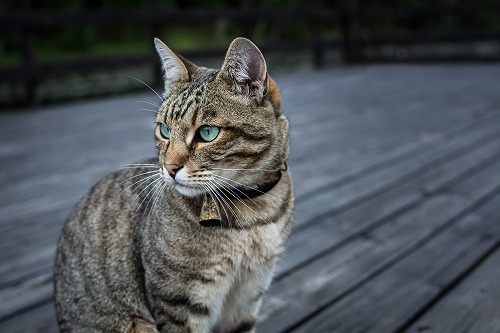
{"x": 172, "y": 169}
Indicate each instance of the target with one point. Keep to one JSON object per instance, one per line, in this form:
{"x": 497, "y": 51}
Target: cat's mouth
{"x": 190, "y": 190}
{"x": 183, "y": 184}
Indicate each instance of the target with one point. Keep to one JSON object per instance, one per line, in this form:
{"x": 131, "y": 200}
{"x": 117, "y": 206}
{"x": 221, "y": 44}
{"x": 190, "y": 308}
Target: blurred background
{"x": 57, "y": 50}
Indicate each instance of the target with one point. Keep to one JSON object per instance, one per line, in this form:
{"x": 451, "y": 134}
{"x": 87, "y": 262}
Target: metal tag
{"x": 209, "y": 215}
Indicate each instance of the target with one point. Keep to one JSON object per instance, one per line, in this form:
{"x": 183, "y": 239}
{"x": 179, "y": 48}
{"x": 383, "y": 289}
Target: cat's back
{"x": 96, "y": 264}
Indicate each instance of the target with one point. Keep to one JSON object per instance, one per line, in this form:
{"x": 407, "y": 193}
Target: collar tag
{"x": 210, "y": 215}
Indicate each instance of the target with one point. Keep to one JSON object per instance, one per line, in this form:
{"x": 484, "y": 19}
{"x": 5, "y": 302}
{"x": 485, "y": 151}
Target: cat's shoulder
{"x": 124, "y": 181}
{"x": 119, "y": 191}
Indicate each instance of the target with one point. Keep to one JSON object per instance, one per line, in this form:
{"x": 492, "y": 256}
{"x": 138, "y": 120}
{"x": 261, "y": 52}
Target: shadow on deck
{"x": 397, "y": 178}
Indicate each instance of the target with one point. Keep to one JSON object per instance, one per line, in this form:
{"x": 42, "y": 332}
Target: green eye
{"x": 208, "y": 133}
{"x": 164, "y": 131}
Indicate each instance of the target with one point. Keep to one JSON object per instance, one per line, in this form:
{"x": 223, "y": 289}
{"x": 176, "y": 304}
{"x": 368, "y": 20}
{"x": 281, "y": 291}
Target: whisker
{"x": 225, "y": 183}
{"x": 215, "y": 197}
{"x": 136, "y": 166}
{"x": 216, "y": 206}
{"x": 241, "y": 201}
{"x": 249, "y": 169}
{"x": 147, "y": 85}
{"x": 155, "y": 195}
{"x": 241, "y": 184}
{"x": 154, "y": 111}
{"x": 141, "y": 174}
{"x": 159, "y": 197}
{"x": 149, "y": 102}
{"x": 226, "y": 202}
{"x": 139, "y": 183}
{"x": 235, "y": 207}
{"x": 154, "y": 182}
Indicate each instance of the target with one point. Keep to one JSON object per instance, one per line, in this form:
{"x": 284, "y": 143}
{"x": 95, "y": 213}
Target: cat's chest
{"x": 257, "y": 247}
{"x": 218, "y": 254}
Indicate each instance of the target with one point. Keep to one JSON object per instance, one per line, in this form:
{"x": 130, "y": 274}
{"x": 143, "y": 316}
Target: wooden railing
{"x": 353, "y": 23}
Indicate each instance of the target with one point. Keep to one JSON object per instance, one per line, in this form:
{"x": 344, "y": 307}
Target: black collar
{"x": 249, "y": 192}
{"x": 244, "y": 193}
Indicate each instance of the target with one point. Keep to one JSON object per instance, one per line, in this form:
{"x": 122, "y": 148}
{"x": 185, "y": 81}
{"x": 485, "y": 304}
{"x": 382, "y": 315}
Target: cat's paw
{"x": 247, "y": 326}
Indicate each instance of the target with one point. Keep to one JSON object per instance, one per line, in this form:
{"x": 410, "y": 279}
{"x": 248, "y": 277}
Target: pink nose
{"x": 172, "y": 169}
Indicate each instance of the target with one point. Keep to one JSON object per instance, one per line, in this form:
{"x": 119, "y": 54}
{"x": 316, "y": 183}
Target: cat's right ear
{"x": 174, "y": 69}
{"x": 245, "y": 69}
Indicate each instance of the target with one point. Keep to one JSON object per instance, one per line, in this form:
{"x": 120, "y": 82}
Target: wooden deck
{"x": 397, "y": 178}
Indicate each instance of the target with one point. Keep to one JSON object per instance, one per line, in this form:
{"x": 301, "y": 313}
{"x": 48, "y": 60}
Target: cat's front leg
{"x": 194, "y": 306}
{"x": 209, "y": 298}
{"x": 243, "y": 302}
{"x": 246, "y": 316}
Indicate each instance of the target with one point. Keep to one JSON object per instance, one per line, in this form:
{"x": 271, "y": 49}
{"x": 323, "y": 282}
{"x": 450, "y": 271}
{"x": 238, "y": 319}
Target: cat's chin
{"x": 189, "y": 191}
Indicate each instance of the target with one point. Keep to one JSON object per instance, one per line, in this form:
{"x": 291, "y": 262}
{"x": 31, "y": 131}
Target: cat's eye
{"x": 164, "y": 131}
{"x": 208, "y": 133}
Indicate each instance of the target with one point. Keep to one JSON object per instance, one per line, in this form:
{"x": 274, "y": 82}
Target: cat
{"x": 187, "y": 241}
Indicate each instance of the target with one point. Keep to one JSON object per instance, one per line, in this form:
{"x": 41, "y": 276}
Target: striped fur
{"x": 132, "y": 256}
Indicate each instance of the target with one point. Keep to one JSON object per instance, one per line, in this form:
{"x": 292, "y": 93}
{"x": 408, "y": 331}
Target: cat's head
{"x": 220, "y": 129}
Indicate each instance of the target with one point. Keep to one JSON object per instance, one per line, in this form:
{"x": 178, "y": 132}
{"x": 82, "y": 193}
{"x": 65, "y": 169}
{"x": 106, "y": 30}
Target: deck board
{"x": 391, "y": 298}
{"x": 472, "y": 306}
{"x": 384, "y": 207}
{"x": 393, "y": 166}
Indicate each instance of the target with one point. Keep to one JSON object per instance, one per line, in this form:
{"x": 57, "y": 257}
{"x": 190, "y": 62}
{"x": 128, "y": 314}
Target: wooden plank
{"x": 40, "y": 319}
{"x": 390, "y": 299}
{"x": 337, "y": 273}
{"x": 28, "y": 266}
{"x": 470, "y": 307}
{"x": 16, "y": 299}
{"x": 330, "y": 231}
{"x": 338, "y": 198}
{"x": 46, "y": 147}
{"x": 357, "y": 125}
{"x": 359, "y": 163}
{"x": 380, "y": 148}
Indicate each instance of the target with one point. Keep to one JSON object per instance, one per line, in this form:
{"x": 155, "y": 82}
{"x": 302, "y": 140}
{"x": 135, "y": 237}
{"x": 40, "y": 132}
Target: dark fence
{"x": 357, "y": 40}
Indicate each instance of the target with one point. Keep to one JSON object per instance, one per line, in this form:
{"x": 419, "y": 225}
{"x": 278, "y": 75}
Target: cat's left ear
{"x": 245, "y": 69}
{"x": 174, "y": 69}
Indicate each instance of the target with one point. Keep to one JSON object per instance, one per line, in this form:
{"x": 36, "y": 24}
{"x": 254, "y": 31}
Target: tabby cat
{"x": 188, "y": 241}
